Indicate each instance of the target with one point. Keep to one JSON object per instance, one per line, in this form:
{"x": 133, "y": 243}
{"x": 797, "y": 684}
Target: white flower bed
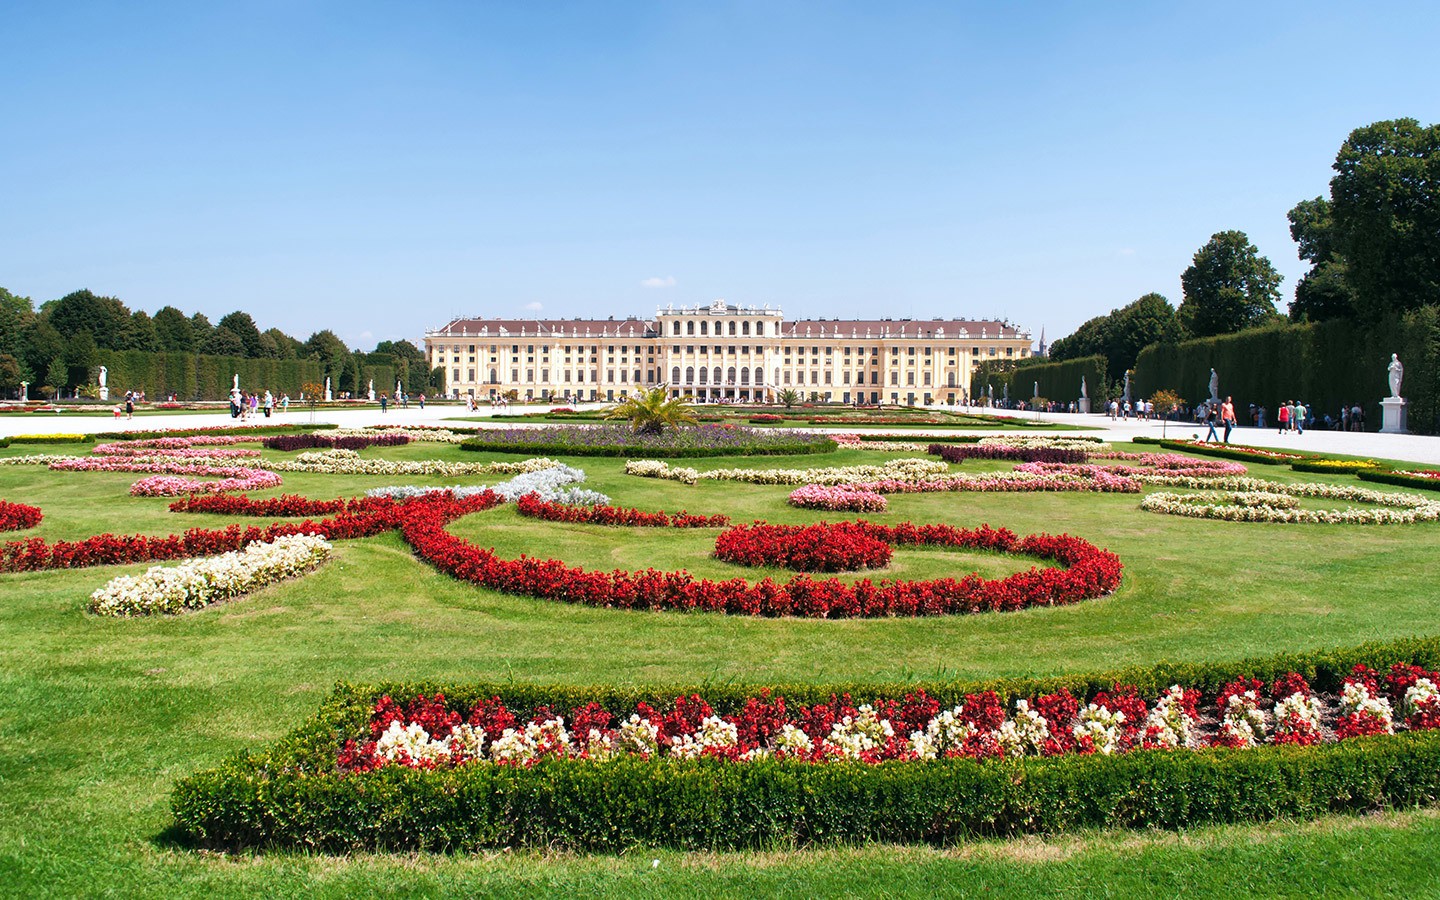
{"x": 1256, "y": 500}
{"x": 199, "y": 582}
{"x": 348, "y": 462}
{"x": 555, "y": 485}
{"x": 895, "y": 470}
{"x": 432, "y": 435}
{"x": 1040, "y": 442}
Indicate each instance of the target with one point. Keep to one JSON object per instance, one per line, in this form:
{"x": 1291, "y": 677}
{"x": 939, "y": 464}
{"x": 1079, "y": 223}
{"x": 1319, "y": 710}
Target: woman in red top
{"x": 1282, "y": 415}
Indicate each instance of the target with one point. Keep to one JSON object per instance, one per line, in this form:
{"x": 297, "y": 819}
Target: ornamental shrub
{"x": 1399, "y": 478}
{"x": 50, "y": 439}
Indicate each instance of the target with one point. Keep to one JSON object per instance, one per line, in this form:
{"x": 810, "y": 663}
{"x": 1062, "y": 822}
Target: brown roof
{"x": 798, "y": 328}
{"x": 898, "y": 328}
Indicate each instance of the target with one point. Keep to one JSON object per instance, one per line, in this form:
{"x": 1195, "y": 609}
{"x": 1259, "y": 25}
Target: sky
{"x": 378, "y": 169}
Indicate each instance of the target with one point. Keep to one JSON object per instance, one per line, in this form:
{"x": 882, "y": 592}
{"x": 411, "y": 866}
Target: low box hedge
{"x": 543, "y": 448}
{"x": 1385, "y": 476}
{"x": 1225, "y": 453}
{"x": 258, "y": 431}
{"x": 1333, "y": 466}
{"x": 292, "y": 795}
{"x": 51, "y": 439}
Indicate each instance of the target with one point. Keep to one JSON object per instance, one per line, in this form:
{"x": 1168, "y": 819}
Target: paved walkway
{"x": 1407, "y": 447}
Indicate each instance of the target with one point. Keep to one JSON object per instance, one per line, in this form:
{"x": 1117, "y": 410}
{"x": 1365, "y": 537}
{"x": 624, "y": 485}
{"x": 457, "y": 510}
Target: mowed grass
{"x": 99, "y": 717}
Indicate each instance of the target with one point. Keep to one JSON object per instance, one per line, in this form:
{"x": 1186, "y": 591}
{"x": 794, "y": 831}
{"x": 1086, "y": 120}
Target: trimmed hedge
{"x": 1333, "y": 466}
{"x": 1058, "y": 380}
{"x": 50, "y": 439}
{"x": 1224, "y": 453}
{"x": 542, "y": 448}
{"x": 1391, "y": 477}
{"x": 292, "y": 795}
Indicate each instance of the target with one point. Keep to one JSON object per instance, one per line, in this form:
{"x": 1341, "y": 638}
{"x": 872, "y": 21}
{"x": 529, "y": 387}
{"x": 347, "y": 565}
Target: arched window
{"x": 760, "y": 328}
{"x": 745, "y": 377}
{"x": 676, "y": 328}
{"x": 717, "y": 374}
{"x": 704, "y": 327}
{"x": 730, "y": 379}
{"x": 777, "y": 374}
{"x": 494, "y": 376}
{"x": 675, "y": 375}
{"x": 689, "y": 327}
{"x": 732, "y": 328}
{"x": 744, "y": 327}
{"x": 759, "y": 375}
{"x": 703, "y": 373}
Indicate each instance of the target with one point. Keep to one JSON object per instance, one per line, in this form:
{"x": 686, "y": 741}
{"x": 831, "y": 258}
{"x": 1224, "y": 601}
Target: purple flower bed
{"x": 955, "y": 454}
{"x": 620, "y": 440}
{"x": 344, "y": 442}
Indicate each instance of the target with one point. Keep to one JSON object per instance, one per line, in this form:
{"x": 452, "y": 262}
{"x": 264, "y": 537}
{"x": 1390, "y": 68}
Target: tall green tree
{"x": 1229, "y": 287}
{"x": 16, "y": 314}
{"x": 1324, "y": 292}
{"x": 1121, "y": 334}
{"x": 200, "y": 329}
{"x": 286, "y": 347}
{"x": 174, "y": 330}
{"x": 82, "y": 357}
{"x": 243, "y": 327}
{"x": 223, "y": 342}
{"x": 140, "y": 334}
{"x": 326, "y": 347}
{"x": 41, "y": 344}
{"x": 106, "y": 318}
{"x": 1385, "y": 199}
{"x": 10, "y": 373}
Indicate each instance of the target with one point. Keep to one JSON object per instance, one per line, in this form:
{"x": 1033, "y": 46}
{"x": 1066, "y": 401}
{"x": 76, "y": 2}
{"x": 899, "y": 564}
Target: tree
{"x": 1385, "y": 200}
{"x": 223, "y": 342}
{"x": 174, "y": 331}
{"x": 41, "y": 344}
{"x": 1121, "y": 334}
{"x": 437, "y": 380}
{"x": 10, "y": 374}
{"x": 653, "y": 411}
{"x": 140, "y": 334}
{"x": 244, "y": 328}
{"x": 104, "y": 317}
{"x": 81, "y": 357}
{"x": 331, "y": 352}
{"x": 788, "y": 397}
{"x": 1166, "y": 401}
{"x": 285, "y": 346}
{"x": 16, "y": 314}
{"x": 200, "y": 329}
{"x": 1323, "y": 292}
{"x": 1229, "y": 287}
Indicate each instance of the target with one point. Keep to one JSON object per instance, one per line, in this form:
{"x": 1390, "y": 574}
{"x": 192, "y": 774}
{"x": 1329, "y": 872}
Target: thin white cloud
{"x": 667, "y": 281}
{"x": 1126, "y": 251}
{"x": 536, "y": 306}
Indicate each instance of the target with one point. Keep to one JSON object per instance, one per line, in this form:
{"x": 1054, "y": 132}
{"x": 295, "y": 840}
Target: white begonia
{"x": 897, "y": 469}
{"x": 348, "y": 462}
{"x": 1356, "y": 699}
{"x": 1422, "y": 693}
{"x": 1400, "y": 509}
{"x": 1243, "y": 719}
{"x": 714, "y": 733}
{"x": 523, "y": 745}
{"x": 600, "y": 745}
{"x": 1040, "y": 442}
{"x": 1294, "y": 712}
{"x": 853, "y": 735}
{"x": 1168, "y": 724}
{"x": 469, "y": 740}
{"x": 1026, "y": 733}
{"x": 412, "y": 741}
{"x": 199, "y": 582}
{"x": 948, "y": 731}
{"x": 639, "y": 736}
{"x": 1102, "y": 726}
{"x": 792, "y": 741}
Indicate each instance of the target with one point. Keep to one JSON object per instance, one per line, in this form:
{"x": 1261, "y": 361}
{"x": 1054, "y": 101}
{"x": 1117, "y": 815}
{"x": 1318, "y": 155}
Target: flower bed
{"x": 1235, "y": 451}
{"x": 511, "y": 765}
{"x": 247, "y": 432}
{"x": 199, "y": 582}
{"x": 1090, "y": 572}
{"x": 289, "y": 442}
{"x": 348, "y": 462}
{"x": 1003, "y": 482}
{"x": 1250, "y": 501}
{"x": 1040, "y": 441}
{"x": 1334, "y": 466}
{"x": 620, "y": 440}
{"x": 897, "y": 469}
{"x": 822, "y": 547}
{"x": 766, "y": 419}
{"x": 18, "y": 516}
{"x": 170, "y": 486}
{"x": 1150, "y": 467}
{"x": 49, "y": 438}
{"x": 887, "y": 445}
{"x": 983, "y": 450}
{"x": 534, "y": 507}
{"x": 1423, "y": 479}
{"x": 836, "y": 499}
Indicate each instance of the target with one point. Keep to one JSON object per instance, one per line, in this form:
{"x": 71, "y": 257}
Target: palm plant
{"x": 788, "y": 397}
{"x": 653, "y": 412}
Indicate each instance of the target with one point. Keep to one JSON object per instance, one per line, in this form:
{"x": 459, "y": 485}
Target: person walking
{"x": 284, "y": 403}
{"x": 269, "y": 404}
{"x": 422, "y": 399}
{"x": 1211, "y": 416}
{"x": 384, "y": 402}
{"x": 1227, "y": 417}
{"x": 1298, "y": 417}
{"x": 1282, "y": 413}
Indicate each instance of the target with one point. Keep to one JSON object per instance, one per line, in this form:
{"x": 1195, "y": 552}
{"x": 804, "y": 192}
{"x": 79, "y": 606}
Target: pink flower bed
{"x": 170, "y": 486}
{"x": 1168, "y": 464}
{"x": 1099, "y": 482}
{"x": 837, "y": 498}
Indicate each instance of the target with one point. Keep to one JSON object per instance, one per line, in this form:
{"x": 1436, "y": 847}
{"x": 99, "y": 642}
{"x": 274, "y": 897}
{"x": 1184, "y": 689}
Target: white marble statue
{"x": 1397, "y": 373}
{"x": 371, "y": 391}
{"x": 24, "y": 390}
{"x": 1214, "y": 387}
{"x": 328, "y": 396}
{"x": 1127, "y": 386}
{"x": 104, "y": 383}
{"x": 235, "y": 385}
{"x": 1084, "y": 389}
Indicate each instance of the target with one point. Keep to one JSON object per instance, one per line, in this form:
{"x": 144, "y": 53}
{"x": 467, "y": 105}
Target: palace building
{"x": 720, "y": 352}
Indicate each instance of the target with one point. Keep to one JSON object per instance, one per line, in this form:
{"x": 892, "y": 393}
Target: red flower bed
{"x": 844, "y": 547}
{"x": 531, "y": 505}
{"x": 1091, "y": 572}
{"x": 279, "y": 507}
{"x": 342, "y": 442}
{"x": 766, "y": 419}
{"x": 18, "y": 516}
{"x": 363, "y": 520}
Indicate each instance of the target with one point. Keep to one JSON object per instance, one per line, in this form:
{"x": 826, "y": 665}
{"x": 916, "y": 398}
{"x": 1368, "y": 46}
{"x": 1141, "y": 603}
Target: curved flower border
{"x": 18, "y": 516}
{"x": 1244, "y": 501}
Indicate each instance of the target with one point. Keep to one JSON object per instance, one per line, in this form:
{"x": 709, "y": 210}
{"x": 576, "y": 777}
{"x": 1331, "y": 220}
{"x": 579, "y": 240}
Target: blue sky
{"x": 380, "y": 168}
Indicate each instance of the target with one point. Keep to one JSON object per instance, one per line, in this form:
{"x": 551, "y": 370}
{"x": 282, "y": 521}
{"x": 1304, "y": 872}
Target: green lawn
{"x": 99, "y": 717}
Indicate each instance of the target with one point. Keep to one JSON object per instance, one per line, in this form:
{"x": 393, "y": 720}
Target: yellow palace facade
{"x": 720, "y": 353}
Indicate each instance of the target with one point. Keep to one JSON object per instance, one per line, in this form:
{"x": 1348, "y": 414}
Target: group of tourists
{"x": 1293, "y": 415}
{"x": 249, "y": 405}
{"x": 1124, "y": 409}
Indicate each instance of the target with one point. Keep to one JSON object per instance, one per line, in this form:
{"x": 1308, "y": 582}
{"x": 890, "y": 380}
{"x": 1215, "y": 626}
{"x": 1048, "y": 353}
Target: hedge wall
{"x": 1059, "y": 381}
{"x": 193, "y": 376}
{"x": 1324, "y": 364}
{"x": 292, "y": 796}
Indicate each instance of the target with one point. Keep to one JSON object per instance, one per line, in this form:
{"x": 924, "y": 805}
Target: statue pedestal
{"x": 104, "y": 393}
{"x": 1084, "y": 405}
{"x": 1393, "y": 411}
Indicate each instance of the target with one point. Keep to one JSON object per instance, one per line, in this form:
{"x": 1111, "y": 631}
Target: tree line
{"x": 1373, "y": 246}
{"x": 57, "y": 346}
